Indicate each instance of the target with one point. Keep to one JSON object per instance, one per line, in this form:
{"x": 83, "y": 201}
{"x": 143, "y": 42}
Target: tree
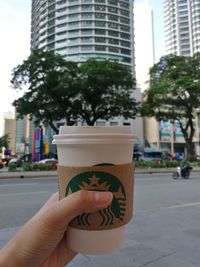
{"x": 106, "y": 90}
{"x": 58, "y": 89}
{"x": 4, "y": 141}
{"x": 50, "y": 83}
{"x": 174, "y": 94}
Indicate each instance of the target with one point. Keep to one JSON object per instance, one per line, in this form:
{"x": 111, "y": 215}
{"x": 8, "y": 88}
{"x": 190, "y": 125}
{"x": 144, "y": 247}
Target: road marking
{"x": 17, "y": 184}
{"x": 184, "y": 205}
{"x": 24, "y": 193}
{"x": 171, "y": 207}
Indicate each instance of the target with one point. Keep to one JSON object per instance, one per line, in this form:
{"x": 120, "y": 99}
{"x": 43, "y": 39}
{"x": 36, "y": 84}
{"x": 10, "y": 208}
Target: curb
{"x": 32, "y": 174}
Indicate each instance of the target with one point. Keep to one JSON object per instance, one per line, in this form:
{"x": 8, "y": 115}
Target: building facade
{"x": 182, "y": 38}
{"x": 9, "y": 128}
{"x": 182, "y": 26}
{"x": 84, "y": 29}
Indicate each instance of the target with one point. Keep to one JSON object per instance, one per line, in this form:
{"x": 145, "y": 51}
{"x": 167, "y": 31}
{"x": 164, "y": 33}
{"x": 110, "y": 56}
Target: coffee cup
{"x": 97, "y": 158}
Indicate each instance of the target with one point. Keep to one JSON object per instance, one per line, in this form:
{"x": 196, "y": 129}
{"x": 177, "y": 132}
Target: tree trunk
{"x": 190, "y": 150}
{"x": 53, "y": 127}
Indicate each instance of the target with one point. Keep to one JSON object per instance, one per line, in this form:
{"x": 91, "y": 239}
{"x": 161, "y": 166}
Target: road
{"x": 165, "y": 229}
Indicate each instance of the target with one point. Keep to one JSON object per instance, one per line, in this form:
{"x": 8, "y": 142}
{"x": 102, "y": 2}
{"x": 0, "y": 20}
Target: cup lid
{"x": 94, "y": 135}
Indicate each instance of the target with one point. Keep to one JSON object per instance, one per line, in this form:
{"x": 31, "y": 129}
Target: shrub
{"x": 12, "y": 167}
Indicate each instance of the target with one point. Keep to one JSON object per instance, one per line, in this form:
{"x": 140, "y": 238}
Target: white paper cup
{"x": 88, "y": 146}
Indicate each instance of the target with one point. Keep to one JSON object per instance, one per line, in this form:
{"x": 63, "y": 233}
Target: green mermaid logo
{"x": 100, "y": 181}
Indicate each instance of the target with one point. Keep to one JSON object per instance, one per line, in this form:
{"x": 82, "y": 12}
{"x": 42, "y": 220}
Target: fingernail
{"x": 103, "y": 198}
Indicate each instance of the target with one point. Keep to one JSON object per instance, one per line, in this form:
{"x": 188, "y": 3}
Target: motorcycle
{"x": 182, "y": 172}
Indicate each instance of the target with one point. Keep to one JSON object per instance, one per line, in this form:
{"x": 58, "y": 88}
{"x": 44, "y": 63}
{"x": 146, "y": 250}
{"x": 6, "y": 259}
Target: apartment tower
{"x": 84, "y": 29}
{"x": 182, "y": 26}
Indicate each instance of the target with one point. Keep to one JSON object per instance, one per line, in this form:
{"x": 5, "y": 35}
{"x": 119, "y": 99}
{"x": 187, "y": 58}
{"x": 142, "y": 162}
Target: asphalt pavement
{"x": 164, "y": 231}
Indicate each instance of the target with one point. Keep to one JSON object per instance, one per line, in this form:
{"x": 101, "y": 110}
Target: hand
{"x": 41, "y": 242}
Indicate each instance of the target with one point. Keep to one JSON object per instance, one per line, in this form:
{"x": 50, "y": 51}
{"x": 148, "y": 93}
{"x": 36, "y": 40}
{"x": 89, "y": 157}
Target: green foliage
{"x": 37, "y": 167}
{"x": 12, "y": 167}
{"x": 51, "y": 83}
{"x": 105, "y": 91}
{"x": 4, "y": 141}
{"x": 57, "y": 89}
{"x": 174, "y": 93}
{"x": 27, "y": 167}
{"x": 157, "y": 164}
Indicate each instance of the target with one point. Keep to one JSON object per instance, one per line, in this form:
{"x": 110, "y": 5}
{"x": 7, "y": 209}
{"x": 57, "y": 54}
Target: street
{"x": 165, "y": 229}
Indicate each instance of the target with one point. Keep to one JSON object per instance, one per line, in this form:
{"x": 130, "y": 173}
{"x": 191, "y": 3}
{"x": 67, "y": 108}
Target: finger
{"x": 82, "y": 201}
{"x": 52, "y": 200}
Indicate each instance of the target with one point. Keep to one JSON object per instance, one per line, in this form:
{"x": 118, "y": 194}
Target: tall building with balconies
{"x": 182, "y": 26}
{"x": 84, "y": 29}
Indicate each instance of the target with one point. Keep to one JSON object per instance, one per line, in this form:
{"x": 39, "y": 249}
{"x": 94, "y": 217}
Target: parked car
{"x": 152, "y": 156}
{"x": 16, "y": 161}
{"x": 52, "y": 161}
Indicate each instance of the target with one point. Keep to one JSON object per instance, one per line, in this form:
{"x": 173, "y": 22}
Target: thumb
{"x": 82, "y": 201}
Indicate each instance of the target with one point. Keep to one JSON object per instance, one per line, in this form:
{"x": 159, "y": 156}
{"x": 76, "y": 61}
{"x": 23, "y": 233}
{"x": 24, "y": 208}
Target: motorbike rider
{"x": 185, "y": 167}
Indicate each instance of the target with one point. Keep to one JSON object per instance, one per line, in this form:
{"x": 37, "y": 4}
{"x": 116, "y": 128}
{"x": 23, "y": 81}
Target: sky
{"x": 149, "y": 38}
{"x": 15, "y": 21}
{"x": 14, "y": 47}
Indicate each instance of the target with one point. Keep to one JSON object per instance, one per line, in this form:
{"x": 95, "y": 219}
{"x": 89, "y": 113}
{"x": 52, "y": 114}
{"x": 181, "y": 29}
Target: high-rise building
{"x": 84, "y": 29}
{"x": 182, "y": 26}
{"x": 9, "y": 128}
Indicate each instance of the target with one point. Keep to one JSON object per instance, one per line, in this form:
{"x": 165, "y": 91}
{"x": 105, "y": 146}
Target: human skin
{"x": 41, "y": 242}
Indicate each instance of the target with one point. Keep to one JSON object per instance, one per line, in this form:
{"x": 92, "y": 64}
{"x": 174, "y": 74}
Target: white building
{"x": 182, "y": 26}
{"x": 84, "y": 29}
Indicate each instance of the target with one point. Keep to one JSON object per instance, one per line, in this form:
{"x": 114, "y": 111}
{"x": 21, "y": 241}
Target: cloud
{"x": 14, "y": 47}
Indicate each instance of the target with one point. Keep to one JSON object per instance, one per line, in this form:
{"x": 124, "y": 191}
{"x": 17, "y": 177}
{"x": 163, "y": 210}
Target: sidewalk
{"x": 31, "y": 174}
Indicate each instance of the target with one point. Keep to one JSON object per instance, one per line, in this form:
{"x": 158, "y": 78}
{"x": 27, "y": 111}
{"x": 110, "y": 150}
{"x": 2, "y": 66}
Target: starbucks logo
{"x": 100, "y": 181}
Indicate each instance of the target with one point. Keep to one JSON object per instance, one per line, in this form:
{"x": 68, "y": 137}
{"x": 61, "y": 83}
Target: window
{"x": 100, "y": 16}
{"x": 86, "y": 23}
{"x": 113, "y": 33}
{"x": 86, "y": 7}
{"x": 124, "y": 28}
{"x": 113, "y": 41}
{"x": 86, "y": 15}
{"x": 124, "y": 20}
{"x": 125, "y": 51}
{"x": 100, "y": 23}
{"x": 126, "y": 60}
{"x": 112, "y": 17}
{"x": 112, "y": 25}
{"x": 100, "y": 40}
{"x": 113, "y": 49}
{"x": 87, "y": 40}
{"x": 124, "y": 43}
{"x": 124, "y": 13}
{"x": 100, "y": 32}
{"x": 86, "y": 48}
{"x": 50, "y": 39}
{"x": 112, "y": 2}
{"x": 61, "y": 25}
{"x": 51, "y": 31}
{"x": 86, "y": 32}
{"x": 100, "y": 8}
{"x": 73, "y": 49}
{"x": 100, "y": 1}
{"x": 125, "y": 36}
{"x": 73, "y": 41}
{"x": 72, "y": 33}
{"x": 112, "y": 9}
{"x": 124, "y": 5}
{"x": 100, "y": 48}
